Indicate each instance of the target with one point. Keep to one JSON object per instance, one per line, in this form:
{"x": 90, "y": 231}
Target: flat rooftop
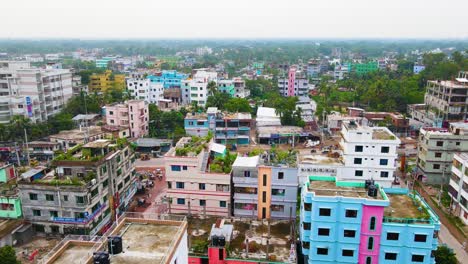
{"x": 73, "y": 254}
{"x": 382, "y": 134}
{"x": 329, "y": 188}
{"x": 320, "y": 159}
{"x": 77, "y": 134}
{"x": 402, "y": 206}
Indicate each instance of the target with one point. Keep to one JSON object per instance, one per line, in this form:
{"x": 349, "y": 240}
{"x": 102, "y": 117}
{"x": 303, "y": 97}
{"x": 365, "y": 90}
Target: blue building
{"x": 227, "y": 128}
{"x": 169, "y": 79}
{"x": 347, "y": 222}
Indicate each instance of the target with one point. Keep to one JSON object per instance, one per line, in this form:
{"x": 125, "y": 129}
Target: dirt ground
{"x": 44, "y": 245}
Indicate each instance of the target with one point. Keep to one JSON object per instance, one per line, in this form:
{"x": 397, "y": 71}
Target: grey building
{"x": 436, "y": 149}
{"x": 89, "y": 186}
{"x": 263, "y": 191}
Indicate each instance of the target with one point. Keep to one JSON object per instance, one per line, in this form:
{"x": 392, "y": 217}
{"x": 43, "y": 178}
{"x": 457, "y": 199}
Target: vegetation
{"x": 195, "y": 146}
{"x": 279, "y": 156}
{"x": 8, "y": 255}
{"x": 444, "y": 255}
{"x": 285, "y": 108}
{"x": 223, "y": 164}
{"x": 166, "y": 124}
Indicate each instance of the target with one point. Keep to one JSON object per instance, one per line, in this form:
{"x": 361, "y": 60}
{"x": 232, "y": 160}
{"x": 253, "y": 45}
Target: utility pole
{"x": 17, "y": 154}
{"x": 27, "y": 147}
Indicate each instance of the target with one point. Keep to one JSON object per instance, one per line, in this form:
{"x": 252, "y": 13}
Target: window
{"x": 264, "y": 180}
{"x": 53, "y": 213}
{"x": 169, "y": 185}
{"x": 372, "y": 223}
{"x": 369, "y": 260}
{"x": 325, "y": 212}
{"x": 370, "y": 243}
{"x": 65, "y": 198}
{"x": 323, "y": 232}
{"x": 349, "y": 233}
{"x": 358, "y": 173}
{"x": 264, "y": 197}
{"x": 202, "y": 202}
{"x": 390, "y": 256}
{"x": 33, "y": 196}
{"x": 383, "y": 162}
{"x": 357, "y": 160}
{"x": 247, "y": 174}
{"x": 306, "y": 226}
{"x": 347, "y": 253}
{"x": 36, "y": 212}
{"x": 420, "y": 238}
{"x": 80, "y": 199}
{"x": 384, "y": 174}
{"x": 175, "y": 168}
{"x": 385, "y": 149}
{"x": 180, "y": 185}
{"x": 280, "y": 175}
{"x": 201, "y": 186}
{"x": 439, "y": 143}
{"x": 180, "y": 201}
{"x": 307, "y": 207}
{"x": 278, "y": 192}
{"x": 322, "y": 251}
{"x": 438, "y": 154}
{"x": 184, "y": 167}
{"x": 222, "y": 204}
{"x": 306, "y": 245}
{"x": 393, "y": 236}
{"x": 351, "y": 213}
{"x": 358, "y": 148}
{"x": 417, "y": 258}
{"x": 54, "y": 229}
{"x": 436, "y": 166}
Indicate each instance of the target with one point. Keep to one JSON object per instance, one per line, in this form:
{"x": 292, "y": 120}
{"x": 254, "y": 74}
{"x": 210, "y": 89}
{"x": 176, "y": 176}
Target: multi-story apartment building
{"x": 369, "y": 153}
{"x": 444, "y": 101}
{"x": 101, "y": 82}
{"x": 341, "y": 71}
{"x": 132, "y": 114}
{"x": 32, "y": 92}
{"x": 316, "y": 66}
{"x": 192, "y": 187}
{"x": 143, "y": 89}
{"x": 296, "y": 84}
{"x": 104, "y": 62}
{"x": 89, "y": 187}
{"x": 77, "y": 86}
{"x": 169, "y": 79}
{"x": 359, "y": 222}
{"x": 195, "y": 89}
{"x": 436, "y": 149}
{"x": 262, "y": 190}
{"x": 234, "y": 87}
{"x": 227, "y": 128}
{"x": 458, "y": 186}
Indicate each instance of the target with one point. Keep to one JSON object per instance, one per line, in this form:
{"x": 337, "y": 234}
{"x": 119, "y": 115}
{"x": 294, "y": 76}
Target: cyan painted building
{"x": 342, "y": 223}
{"x": 228, "y": 128}
{"x": 169, "y": 78}
{"x": 10, "y": 204}
{"x": 227, "y": 86}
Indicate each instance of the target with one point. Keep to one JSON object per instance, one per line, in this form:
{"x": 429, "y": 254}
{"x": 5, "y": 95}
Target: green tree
{"x": 8, "y": 255}
{"x": 444, "y": 255}
{"x": 237, "y": 105}
{"x": 217, "y": 100}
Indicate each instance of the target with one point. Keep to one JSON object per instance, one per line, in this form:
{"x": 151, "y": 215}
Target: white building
{"x": 143, "y": 89}
{"x": 296, "y": 84}
{"x": 195, "y": 89}
{"x": 32, "y": 92}
{"x": 458, "y": 186}
{"x": 369, "y": 153}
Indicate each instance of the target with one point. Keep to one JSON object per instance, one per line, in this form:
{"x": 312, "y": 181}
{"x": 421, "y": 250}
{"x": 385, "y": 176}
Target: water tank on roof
{"x": 369, "y": 183}
{"x": 372, "y": 191}
{"x": 114, "y": 245}
{"x": 101, "y": 258}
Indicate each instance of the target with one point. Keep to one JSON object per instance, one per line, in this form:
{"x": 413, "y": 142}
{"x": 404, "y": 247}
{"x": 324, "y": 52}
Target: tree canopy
{"x": 8, "y": 255}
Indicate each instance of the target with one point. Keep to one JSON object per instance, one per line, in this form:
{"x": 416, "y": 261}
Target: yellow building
{"x": 101, "y": 82}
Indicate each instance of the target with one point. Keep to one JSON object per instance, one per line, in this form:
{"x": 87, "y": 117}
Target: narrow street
{"x": 447, "y": 238}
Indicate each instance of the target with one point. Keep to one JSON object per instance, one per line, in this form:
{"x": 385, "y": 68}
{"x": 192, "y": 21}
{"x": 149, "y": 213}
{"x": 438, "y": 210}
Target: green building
{"x": 227, "y": 86}
{"x": 10, "y": 204}
{"x": 363, "y": 68}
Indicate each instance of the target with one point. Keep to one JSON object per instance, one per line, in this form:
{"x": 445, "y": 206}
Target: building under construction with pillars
{"x": 445, "y": 101}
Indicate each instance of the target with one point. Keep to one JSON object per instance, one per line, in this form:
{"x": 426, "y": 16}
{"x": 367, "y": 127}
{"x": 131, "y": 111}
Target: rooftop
{"x": 153, "y": 142}
{"x": 100, "y": 143}
{"x": 345, "y": 189}
{"x": 246, "y": 161}
{"x": 267, "y": 131}
{"x": 321, "y": 159}
{"x": 452, "y": 84}
{"x": 190, "y": 146}
{"x": 382, "y": 134}
{"x": 78, "y": 134}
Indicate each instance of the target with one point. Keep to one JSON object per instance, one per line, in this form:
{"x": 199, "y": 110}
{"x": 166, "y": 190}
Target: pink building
{"x": 295, "y": 84}
{"x": 132, "y": 114}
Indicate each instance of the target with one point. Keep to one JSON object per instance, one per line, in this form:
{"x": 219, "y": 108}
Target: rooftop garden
{"x": 287, "y": 157}
{"x": 194, "y": 146}
{"x": 223, "y": 164}
{"x": 68, "y": 180}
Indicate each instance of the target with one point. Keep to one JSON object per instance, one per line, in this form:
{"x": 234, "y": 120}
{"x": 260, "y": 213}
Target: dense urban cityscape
{"x": 233, "y": 151}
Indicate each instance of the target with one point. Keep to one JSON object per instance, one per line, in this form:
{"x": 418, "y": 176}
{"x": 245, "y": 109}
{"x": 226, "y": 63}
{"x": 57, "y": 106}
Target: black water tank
{"x": 368, "y": 183}
{"x": 101, "y": 258}
{"x": 114, "y": 245}
{"x": 372, "y": 192}
{"x": 221, "y": 241}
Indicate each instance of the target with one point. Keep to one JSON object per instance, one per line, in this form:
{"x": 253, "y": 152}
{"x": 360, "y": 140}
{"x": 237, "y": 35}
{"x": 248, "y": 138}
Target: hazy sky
{"x": 126, "y": 19}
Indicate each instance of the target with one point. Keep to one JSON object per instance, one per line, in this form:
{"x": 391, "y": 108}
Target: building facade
{"x": 263, "y": 192}
{"x": 132, "y": 114}
{"x": 144, "y": 89}
{"x": 169, "y": 79}
{"x": 101, "y": 82}
{"x": 81, "y": 196}
{"x": 435, "y": 151}
{"x": 192, "y": 188}
{"x": 295, "y": 85}
{"x": 458, "y": 186}
{"x": 32, "y": 92}
{"x": 10, "y": 203}
{"x": 347, "y": 222}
